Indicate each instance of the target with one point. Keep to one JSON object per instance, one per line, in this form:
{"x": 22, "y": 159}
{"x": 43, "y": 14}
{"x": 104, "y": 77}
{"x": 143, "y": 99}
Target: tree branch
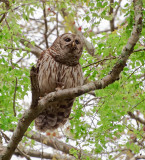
{"x": 138, "y": 50}
{"x": 34, "y": 87}
{"x": 115, "y": 13}
{"x": 54, "y": 143}
{"x": 32, "y": 113}
{"x": 36, "y": 50}
{"x": 50, "y": 141}
{"x": 14, "y": 99}
{"x": 140, "y": 157}
{"x": 23, "y": 154}
{"x": 100, "y": 61}
{"x": 111, "y": 13}
{"x": 38, "y": 154}
{"x": 7, "y": 4}
{"x": 133, "y": 116}
{"x": 48, "y": 34}
{"x": 45, "y": 22}
{"x": 3, "y": 17}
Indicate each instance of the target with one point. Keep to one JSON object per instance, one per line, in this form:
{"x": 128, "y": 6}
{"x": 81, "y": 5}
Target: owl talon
{"x": 60, "y": 86}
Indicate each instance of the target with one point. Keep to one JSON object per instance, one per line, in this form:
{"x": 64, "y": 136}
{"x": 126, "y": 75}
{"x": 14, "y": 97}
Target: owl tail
{"x": 52, "y": 120}
{"x": 45, "y": 121}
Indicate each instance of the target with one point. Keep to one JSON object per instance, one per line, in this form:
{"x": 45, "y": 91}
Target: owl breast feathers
{"x": 58, "y": 67}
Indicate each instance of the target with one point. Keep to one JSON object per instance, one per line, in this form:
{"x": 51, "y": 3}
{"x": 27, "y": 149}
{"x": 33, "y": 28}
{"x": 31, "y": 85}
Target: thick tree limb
{"x": 38, "y": 154}
{"x": 50, "y": 141}
{"x": 54, "y": 143}
{"x": 27, "y": 153}
{"x": 32, "y": 113}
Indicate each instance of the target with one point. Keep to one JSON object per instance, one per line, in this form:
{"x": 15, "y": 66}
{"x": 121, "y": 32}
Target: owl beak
{"x": 73, "y": 46}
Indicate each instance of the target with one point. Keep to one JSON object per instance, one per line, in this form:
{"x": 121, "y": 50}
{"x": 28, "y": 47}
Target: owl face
{"x": 71, "y": 43}
{"x": 68, "y": 49}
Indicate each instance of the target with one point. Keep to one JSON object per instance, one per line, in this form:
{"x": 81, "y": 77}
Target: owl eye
{"x": 77, "y": 42}
{"x": 67, "y": 39}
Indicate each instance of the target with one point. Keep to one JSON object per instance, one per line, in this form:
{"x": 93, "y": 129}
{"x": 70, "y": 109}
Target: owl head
{"x": 67, "y": 49}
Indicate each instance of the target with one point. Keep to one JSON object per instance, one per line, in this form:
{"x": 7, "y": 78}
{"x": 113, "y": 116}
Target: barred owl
{"x": 58, "y": 67}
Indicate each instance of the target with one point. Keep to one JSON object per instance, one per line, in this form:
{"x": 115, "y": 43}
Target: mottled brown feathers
{"x": 58, "y": 67}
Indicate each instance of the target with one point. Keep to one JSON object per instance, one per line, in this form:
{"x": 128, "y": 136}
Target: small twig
{"x": 137, "y": 104}
{"x": 36, "y": 50}
{"x": 19, "y": 60}
{"x": 100, "y": 61}
{"x": 7, "y": 4}
{"x": 57, "y": 24}
{"x": 133, "y": 116}
{"x": 7, "y": 24}
{"x": 48, "y": 35}
{"x": 14, "y": 99}
{"x": 138, "y": 50}
{"x": 115, "y": 13}
{"x": 46, "y": 27}
{"x": 41, "y": 147}
{"x": 111, "y": 13}
{"x": 24, "y": 154}
{"x": 143, "y": 75}
{"x": 3, "y": 17}
{"x": 106, "y": 30}
{"x": 131, "y": 74}
{"x": 5, "y": 136}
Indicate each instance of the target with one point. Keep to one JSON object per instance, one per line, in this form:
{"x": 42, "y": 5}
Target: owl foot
{"x": 60, "y": 86}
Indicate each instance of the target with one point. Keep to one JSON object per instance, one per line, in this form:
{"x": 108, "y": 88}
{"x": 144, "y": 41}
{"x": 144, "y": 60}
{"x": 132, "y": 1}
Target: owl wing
{"x": 54, "y": 116}
{"x": 39, "y": 60}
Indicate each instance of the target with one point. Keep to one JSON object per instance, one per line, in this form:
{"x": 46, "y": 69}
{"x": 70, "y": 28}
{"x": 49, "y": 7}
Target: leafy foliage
{"x": 100, "y": 122}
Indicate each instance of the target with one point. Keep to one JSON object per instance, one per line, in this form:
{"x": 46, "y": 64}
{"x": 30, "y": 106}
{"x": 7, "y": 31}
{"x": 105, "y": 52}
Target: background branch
{"x": 14, "y": 100}
{"x": 46, "y": 27}
{"x": 36, "y": 50}
{"x": 133, "y": 116}
{"x": 111, "y": 14}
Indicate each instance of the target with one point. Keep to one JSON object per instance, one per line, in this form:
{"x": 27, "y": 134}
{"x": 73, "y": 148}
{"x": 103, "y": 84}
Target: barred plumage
{"x": 59, "y": 67}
